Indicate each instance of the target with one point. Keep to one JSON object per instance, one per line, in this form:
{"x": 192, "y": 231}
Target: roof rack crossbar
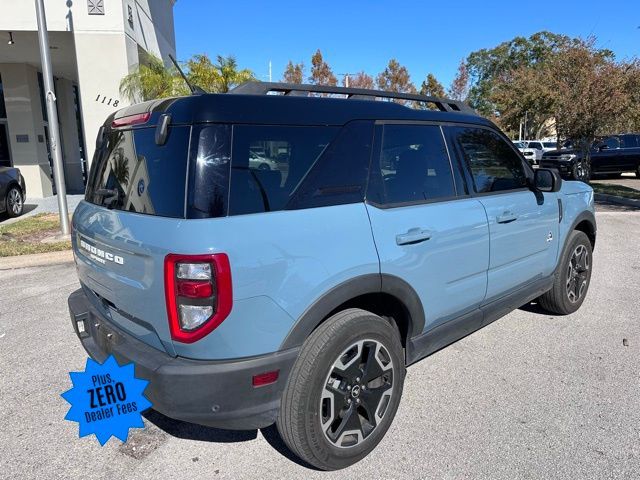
{"x": 264, "y": 88}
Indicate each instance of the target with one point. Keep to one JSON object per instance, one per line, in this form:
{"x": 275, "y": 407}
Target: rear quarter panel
{"x": 281, "y": 262}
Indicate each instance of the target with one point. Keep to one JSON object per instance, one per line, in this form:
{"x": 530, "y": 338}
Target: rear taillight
{"x": 198, "y": 293}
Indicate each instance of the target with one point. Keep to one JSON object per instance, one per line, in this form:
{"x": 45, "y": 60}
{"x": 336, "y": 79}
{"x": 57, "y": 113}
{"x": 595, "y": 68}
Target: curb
{"x": 36, "y": 260}
{"x": 627, "y": 202}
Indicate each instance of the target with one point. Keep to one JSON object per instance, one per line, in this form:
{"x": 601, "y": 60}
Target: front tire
{"x": 344, "y": 390}
{"x": 572, "y": 278}
{"x": 14, "y": 202}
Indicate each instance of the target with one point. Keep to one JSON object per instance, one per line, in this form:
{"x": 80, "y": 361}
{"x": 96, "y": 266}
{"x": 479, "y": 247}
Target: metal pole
{"x": 52, "y": 113}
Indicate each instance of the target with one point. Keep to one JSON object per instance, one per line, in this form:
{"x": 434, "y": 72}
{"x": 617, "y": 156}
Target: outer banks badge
{"x": 106, "y": 399}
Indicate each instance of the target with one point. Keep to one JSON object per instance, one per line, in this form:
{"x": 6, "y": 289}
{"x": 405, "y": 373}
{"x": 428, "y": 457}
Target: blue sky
{"x": 425, "y": 36}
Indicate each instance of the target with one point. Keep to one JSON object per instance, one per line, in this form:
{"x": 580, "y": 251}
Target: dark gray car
{"x": 12, "y": 191}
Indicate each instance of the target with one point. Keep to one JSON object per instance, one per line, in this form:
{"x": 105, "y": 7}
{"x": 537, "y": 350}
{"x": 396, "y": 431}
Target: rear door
{"x": 427, "y": 231}
{"x": 523, "y": 224}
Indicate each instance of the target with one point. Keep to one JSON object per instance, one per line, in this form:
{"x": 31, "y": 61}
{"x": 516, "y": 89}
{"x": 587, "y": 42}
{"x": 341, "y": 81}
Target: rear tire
{"x": 14, "y": 202}
{"x": 572, "y": 278}
{"x": 344, "y": 390}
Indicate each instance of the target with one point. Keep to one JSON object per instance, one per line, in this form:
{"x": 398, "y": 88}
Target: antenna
{"x": 195, "y": 90}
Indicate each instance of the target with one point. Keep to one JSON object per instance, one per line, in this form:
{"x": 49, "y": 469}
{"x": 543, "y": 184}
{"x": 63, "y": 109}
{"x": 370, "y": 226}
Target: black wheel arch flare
{"x": 351, "y": 289}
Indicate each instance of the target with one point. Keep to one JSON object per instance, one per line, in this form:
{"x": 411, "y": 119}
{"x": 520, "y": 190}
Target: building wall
{"x": 24, "y": 115}
{"x": 106, "y": 48}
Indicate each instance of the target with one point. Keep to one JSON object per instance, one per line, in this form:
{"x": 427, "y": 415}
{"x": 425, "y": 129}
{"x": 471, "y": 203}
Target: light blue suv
{"x": 282, "y": 253}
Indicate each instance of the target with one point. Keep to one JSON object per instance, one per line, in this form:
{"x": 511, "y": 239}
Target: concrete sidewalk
{"x": 34, "y": 206}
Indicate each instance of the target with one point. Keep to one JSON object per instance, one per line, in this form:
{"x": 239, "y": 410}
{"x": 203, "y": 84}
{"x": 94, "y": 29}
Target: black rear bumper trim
{"x": 213, "y": 393}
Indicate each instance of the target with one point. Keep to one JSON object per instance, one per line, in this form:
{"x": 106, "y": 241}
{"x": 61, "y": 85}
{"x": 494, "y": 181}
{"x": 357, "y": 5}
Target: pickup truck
{"x": 610, "y": 155}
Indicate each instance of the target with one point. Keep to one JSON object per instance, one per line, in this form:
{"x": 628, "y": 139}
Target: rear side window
{"x": 269, "y": 163}
{"x": 130, "y": 172}
{"x": 494, "y": 165}
{"x": 414, "y": 165}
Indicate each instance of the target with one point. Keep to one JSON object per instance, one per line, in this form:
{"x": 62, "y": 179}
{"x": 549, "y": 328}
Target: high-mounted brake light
{"x": 129, "y": 120}
{"x": 198, "y": 293}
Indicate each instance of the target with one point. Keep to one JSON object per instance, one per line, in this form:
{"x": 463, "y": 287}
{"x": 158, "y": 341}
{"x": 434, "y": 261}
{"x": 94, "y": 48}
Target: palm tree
{"x": 219, "y": 77}
{"x": 153, "y": 80}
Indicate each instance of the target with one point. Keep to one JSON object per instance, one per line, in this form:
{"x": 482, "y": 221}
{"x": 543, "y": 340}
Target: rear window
{"x": 269, "y": 162}
{"x": 133, "y": 174}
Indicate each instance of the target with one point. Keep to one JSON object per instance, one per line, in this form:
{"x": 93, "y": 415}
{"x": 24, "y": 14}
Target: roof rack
{"x": 265, "y": 88}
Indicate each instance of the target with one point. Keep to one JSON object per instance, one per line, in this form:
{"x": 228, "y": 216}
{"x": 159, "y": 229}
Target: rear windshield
{"x": 132, "y": 173}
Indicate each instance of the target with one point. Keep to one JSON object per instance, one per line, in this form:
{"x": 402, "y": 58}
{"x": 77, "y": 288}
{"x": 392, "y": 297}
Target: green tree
{"x": 395, "y": 78}
{"x": 360, "y": 80}
{"x": 220, "y": 77}
{"x": 321, "y": 73}
{"x": 487, "y": 66}
{"x": 152, "y": 80}
{"x": 459, "y": 89}
{"x": 432, "y": 87}
{"x": 294, "y": 73}
{"x": 582, "y": 90}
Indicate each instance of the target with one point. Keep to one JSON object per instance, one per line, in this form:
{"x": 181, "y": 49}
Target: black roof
{"x": 291, "y": 108}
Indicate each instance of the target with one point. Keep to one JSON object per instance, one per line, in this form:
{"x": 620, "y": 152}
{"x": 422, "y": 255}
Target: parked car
{"x": 612, "y": 155}
{"x": 531, "y": 153}
{"x": 261, "y": 162}
{"x": 299, "y": 295}
{"x": 548, "y": 146}
{"x": 12, "y": 191}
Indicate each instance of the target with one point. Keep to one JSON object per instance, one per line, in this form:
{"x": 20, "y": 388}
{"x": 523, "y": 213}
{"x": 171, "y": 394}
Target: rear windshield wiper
{"x": 110, "y": 196}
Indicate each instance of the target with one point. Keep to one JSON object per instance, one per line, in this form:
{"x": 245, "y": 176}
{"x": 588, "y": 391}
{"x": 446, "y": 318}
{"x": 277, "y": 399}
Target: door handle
{"x": 414, "y": 235}
{"x": 506, "y": 217}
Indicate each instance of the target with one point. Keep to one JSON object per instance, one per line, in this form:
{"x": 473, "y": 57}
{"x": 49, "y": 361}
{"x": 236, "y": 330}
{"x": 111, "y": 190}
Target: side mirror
{"x": 547, "y": 180}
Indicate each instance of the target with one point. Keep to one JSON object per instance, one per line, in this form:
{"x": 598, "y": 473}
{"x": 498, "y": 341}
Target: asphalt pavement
{"x": 531, "y": 396}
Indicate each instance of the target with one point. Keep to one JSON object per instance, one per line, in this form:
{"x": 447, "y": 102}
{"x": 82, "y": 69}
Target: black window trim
{"x": 376, "y": 151}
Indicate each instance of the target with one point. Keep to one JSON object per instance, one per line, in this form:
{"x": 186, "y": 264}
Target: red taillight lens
{"x": 131, "y": 120}
{"x": 198, "y": 293}
{"x": 266, "y": 378}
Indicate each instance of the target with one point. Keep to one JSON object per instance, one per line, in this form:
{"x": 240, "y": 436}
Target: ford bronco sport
{"x": 297, "y": 289}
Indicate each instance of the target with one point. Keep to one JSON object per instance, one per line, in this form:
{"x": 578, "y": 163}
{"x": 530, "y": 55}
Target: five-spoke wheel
{"x": 343, "y": 390}
{"x": 356, "y": 393}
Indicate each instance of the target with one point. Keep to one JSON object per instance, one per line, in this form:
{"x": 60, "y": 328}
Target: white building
{"x": 93, "y": 45}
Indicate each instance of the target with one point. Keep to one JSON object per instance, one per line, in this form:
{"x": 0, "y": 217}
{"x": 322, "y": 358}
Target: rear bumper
{"x": 213, "y": 393}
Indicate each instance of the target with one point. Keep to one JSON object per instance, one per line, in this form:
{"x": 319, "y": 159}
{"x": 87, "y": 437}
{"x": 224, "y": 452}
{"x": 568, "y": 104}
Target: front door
{"x": 426, "y": 231}
{"x": 523, "y": 224}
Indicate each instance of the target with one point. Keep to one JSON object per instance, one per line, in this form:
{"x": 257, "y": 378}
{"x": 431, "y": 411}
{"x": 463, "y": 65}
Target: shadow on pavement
{"x": 191, "y": 431}
{"x": 533, "y": 307}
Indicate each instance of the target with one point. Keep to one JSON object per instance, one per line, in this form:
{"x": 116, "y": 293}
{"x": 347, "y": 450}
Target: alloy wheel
{"x": 14, "y": 200}
{"x": 356, "y": 393}
{"x": 577, "y": 273}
